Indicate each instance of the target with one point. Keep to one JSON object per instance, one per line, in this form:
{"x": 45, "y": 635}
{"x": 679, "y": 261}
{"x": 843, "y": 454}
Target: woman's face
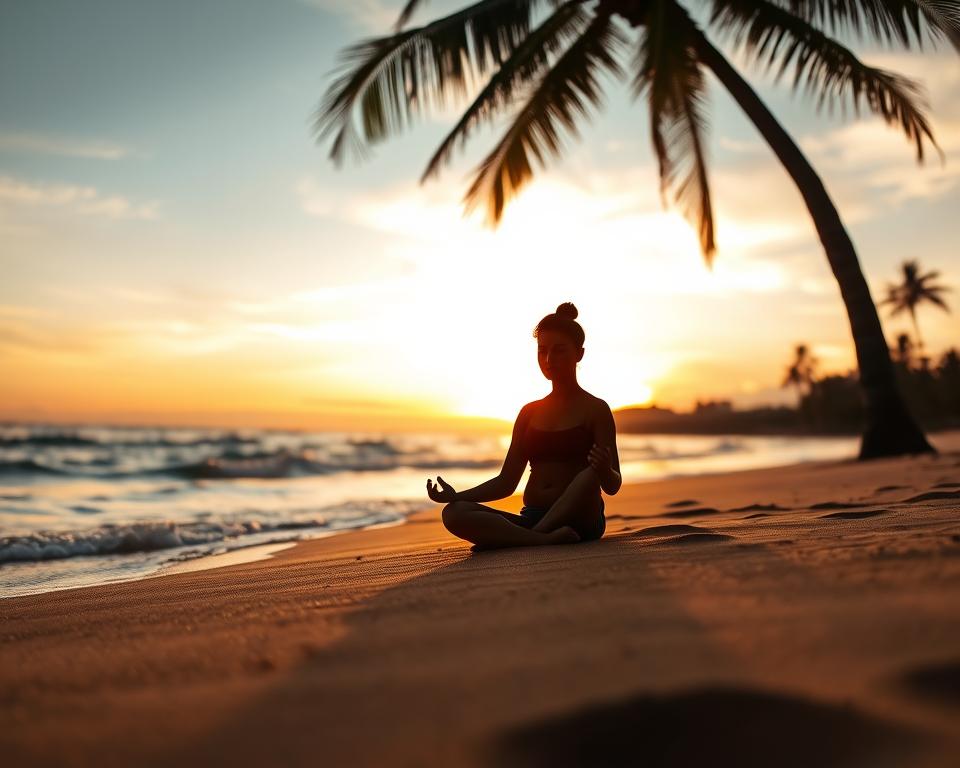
{"x": 557, "y": 354}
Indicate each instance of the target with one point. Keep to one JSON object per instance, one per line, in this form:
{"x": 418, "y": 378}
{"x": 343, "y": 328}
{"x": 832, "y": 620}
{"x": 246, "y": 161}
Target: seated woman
{"x": 569, "y": 438}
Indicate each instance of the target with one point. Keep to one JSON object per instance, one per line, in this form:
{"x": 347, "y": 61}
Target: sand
{"x": 804, "y": 616}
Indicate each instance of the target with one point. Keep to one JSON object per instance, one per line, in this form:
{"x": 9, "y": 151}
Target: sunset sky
{"x": 176, "y": 248}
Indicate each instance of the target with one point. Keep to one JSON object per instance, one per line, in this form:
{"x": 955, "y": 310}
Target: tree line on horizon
{"x": 826, "y": 403}
{"x": 931, "y": 390}
{"x": 832, "y": 402}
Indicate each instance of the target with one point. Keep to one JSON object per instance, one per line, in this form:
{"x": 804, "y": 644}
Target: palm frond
{"x": 914, "y": 289}
{"x": 893, "y": 295}
{"x": 559, "y": 99}
{"x": 887, "y": 21}
{"x": 396, "y": 77}
{"x": 408, "y": 10}
{"x": 773, "y": 36}
{"x": 669, "y": 73}
{"x": 898, "y": 309}
{"x": 524, "y": 66}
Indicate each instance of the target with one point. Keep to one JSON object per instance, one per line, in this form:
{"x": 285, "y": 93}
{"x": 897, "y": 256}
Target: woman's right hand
{"x": 442, "y": 493}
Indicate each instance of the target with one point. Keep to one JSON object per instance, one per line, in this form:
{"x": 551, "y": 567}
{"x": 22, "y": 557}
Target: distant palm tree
{"x": 802, "y": 371}
{"x": 913, "y": 290}
{"x": 547, "y": 75}
{"x": 904, "y": 354}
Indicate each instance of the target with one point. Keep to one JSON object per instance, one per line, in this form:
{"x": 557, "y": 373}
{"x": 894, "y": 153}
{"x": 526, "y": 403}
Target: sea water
{"x": 91, "y": 505}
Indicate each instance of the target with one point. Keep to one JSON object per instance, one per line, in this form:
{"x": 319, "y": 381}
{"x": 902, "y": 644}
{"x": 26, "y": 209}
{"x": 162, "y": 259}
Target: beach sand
{"x": 804, "y": 616}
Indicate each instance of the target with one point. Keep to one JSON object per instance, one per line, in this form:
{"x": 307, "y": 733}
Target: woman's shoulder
{"x": 530, "y": 408}
{"x": 526, "y": 413}
{"x": 598, "y": 409}
{"x": 594, "y": 409}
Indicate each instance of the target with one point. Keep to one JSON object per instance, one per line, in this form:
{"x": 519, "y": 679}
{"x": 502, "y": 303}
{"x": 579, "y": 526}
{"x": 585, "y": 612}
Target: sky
{"x": 177, "y": 247}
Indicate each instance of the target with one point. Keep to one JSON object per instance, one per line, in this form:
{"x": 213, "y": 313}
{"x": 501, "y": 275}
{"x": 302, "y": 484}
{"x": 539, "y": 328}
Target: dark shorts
{"x": 530, "y": 516}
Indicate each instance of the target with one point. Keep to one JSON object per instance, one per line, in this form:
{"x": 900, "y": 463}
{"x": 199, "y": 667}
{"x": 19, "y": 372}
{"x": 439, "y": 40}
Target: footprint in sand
{"x": 682, "y": 534}
{"x": 698, "y": 538}
{"x": 885, "y": 488}
{"x": 708, "y": 726}
{"x": 837, "y": 505}
{"x": 696, "y": 512}
{"x": 761, "y": 508}
{"x": 854, "y": 515}
{"x": 671, "y": 530}
{"x": 939, "y": 681}
{"x": 933, "y": 496}
{"x": 683, "y": 503}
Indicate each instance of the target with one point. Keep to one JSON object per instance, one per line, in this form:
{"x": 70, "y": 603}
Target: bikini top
{"x": 572, "y": 445}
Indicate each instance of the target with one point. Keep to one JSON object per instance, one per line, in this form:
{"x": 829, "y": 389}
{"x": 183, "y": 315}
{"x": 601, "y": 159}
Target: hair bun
{"x": 567, "y": 310}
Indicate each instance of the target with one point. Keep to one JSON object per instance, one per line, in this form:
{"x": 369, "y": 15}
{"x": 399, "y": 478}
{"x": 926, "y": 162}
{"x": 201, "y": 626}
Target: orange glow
{"x": 445, "y": 342}
{"x": 644, "y": 397}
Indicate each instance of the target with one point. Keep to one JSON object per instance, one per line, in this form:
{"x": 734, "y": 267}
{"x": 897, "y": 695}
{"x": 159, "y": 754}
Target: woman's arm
{"x": 491, "y": 490}
{"x": 507, "y": 481}
{"x": 605, "y": 435}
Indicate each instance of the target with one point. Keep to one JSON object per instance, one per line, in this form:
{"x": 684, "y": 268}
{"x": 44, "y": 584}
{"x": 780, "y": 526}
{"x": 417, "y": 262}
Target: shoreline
{"x": 798, "y": 615}
{"x": 263, "y": 550}
{"x": 690, "y": 460}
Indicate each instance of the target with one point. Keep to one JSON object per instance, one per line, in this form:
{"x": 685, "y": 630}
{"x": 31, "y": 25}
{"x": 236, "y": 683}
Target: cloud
{"x": 14, "y": 311}
{"x": 316, "y": 200}
{"x": 29, "y": 337}
{"x": 877, "y": 161}
{"x": 83, "y": 200}
{"x": 614, "y": 217}
{"x": 937, "y": 73}
{"x": 370, "y": 15}
{"x": 740, "y": 146}
{"x": 50, "y": 145}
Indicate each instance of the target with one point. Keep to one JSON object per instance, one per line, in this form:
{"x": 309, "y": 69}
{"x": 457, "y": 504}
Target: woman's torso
{"x": 557, "y": 441}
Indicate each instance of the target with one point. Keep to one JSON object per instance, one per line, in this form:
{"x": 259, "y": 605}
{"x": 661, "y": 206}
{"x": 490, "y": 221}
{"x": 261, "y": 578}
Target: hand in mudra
{"x": 442, "y": 492}
{"x": 601, "y": 459}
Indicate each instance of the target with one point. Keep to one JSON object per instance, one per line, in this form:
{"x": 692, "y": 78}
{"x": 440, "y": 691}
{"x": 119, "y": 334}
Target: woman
{"x": 569, "y": 438}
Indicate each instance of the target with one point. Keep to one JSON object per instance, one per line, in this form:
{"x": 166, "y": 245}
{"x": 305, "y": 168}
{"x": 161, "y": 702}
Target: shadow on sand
{"x": 708, "y": 727}
{"x": 424, "y": 676}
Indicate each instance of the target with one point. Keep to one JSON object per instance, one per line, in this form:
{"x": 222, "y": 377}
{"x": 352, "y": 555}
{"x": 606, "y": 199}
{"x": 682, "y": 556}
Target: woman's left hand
{"x": 600, "y": 459}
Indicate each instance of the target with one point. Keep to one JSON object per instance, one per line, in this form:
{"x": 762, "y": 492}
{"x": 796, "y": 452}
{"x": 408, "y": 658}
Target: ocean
{"x": 94, "y": 504}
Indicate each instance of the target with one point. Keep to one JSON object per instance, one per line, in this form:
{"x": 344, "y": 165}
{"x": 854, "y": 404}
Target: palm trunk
{"x": 890, "y": 429}
{"x": 916, "y": 330}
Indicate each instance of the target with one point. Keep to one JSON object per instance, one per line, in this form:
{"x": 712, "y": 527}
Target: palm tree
{"x": 802, "y": 371}
{"x": 904, "y": 353}
{"x": 547, "y": 75}
{"x": 913, "y": 290}
{"x": 802, "y": 374}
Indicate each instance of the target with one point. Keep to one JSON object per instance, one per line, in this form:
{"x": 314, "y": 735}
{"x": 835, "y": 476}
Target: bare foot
{"x": 565, "y": 535}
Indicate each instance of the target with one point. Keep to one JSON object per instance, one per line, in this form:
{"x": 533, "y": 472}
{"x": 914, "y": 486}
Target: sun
{"x": 643, "y": 397}
{"x": 624, "y": 393}
{"x": 500, "y": 394}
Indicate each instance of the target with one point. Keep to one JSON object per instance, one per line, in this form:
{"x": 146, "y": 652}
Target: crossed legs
{"x": 490, "y": 528}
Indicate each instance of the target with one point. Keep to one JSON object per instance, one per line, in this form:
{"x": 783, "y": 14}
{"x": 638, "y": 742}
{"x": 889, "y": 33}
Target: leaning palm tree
{"x": 546, "y": 75}
{"x": 913, "y": 290}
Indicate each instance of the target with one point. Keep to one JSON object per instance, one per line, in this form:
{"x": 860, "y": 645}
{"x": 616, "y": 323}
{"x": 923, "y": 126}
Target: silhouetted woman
{"x": 570, "y": 440}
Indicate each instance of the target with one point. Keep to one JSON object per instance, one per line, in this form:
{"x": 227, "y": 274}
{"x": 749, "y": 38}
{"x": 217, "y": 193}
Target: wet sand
{"x": 792, "y": 617}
